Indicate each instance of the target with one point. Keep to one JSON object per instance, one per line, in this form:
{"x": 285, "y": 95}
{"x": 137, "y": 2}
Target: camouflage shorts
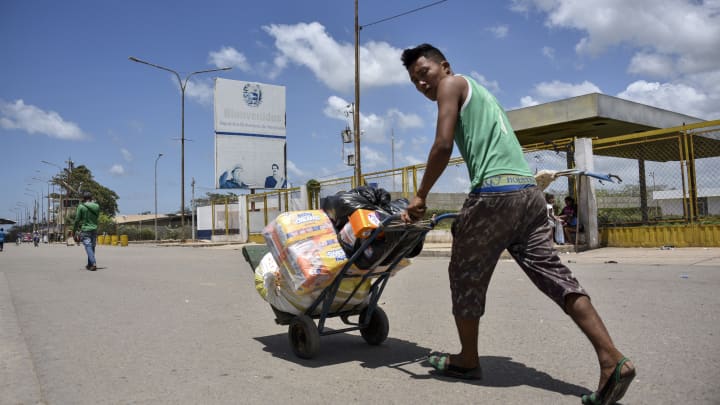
{"x": 492, "y": 222}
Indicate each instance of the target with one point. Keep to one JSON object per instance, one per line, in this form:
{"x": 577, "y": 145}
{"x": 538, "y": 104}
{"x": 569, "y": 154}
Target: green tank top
{"x": 485, "y": 138}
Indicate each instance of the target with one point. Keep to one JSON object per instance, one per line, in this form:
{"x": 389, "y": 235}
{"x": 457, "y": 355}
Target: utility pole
{"x": 192, "y": 208}
{"x": 392, "y": 152}
{"x": 356, "y": 113}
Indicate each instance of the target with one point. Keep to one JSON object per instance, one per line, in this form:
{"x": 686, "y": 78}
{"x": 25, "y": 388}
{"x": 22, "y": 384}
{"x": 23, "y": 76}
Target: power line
{"x": 402, "y": 14}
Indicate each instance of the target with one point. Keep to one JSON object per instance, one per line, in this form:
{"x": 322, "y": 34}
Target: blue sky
{"x": 68, "y": 90}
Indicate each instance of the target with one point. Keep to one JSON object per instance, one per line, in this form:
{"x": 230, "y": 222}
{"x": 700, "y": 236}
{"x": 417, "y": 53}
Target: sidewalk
{"x": 438, "y": 245}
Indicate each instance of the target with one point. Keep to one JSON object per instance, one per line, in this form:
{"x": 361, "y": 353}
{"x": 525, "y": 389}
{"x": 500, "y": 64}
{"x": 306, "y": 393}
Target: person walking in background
{"x": 2, "y": 239}
{"x": 86, "y": 221}
{"x": 504, "y": 210}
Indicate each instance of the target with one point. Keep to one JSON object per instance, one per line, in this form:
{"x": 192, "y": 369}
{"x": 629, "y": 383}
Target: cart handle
{"x": 434, "y": 221}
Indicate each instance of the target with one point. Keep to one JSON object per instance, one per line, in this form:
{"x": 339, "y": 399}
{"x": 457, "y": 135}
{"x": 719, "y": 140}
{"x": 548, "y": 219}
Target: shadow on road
{"x": 345, "y": 347}
{"x": 501, "y": 371}
{"x": 394, "y": 353}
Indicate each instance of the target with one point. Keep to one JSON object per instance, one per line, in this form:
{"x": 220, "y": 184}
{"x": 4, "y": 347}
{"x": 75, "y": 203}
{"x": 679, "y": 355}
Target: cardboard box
{"x": 363, "y": 222}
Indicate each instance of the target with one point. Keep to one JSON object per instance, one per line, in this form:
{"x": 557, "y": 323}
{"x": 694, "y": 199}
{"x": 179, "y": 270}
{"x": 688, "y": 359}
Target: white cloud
{"x": 651, "y": 64}
{"x": 674, "y": 97}
{"x": 405, "y": 121}
{"x": 199, "y": 90}
{"x": 373, "y": 159}
{"x": 31, "y": 119}
{"x": 557, "y": 90}
{"x": 668, "y": 26}
{"x": 336, "y": 107}
{"x": 675, "y": 40}
{"x": 126, "y": 155}
{"x": 229, "y": 57}
{"x": 492, "y": 86}
{"x": 677, "y": 33}
{"x": 332, "y": 62}
{"x": 117, "y": 170}
{"x": 294, "y": 170}
{"x": 500, "y": 31}
{"x": 528, "y": 101}
{"x": 548, "y": 52}
{"x": 374, "y": 128}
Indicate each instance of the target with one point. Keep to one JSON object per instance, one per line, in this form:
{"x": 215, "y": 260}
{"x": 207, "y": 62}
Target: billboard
{"x": 249, "y": 135}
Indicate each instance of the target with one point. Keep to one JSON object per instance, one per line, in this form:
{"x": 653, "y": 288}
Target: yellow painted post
{"x": 227, "y": 231}
{"x": 265, "y": 206}
{"x": 123, "y": 240}
{"x": 113, "y": 240}
{"x": 101, "y": 239}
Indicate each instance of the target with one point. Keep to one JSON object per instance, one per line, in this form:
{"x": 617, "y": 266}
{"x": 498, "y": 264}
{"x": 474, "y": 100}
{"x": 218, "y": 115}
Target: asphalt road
{"x": 178, "y": 325}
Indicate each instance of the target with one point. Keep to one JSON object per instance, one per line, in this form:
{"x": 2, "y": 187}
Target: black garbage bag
{"x": 340, "y": 206}
{"x": 383, "y": 250}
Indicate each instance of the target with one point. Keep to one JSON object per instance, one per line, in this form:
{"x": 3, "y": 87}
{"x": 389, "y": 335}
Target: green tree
{"x": 79, "y": 179}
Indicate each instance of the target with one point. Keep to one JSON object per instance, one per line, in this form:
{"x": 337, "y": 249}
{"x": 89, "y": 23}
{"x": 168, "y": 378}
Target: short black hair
{"x": 411, "y": 55}
{"x": 275, "y": 165}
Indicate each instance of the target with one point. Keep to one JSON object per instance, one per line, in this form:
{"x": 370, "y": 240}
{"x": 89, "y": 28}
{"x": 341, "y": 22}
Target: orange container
{"x": 363, "y": 222}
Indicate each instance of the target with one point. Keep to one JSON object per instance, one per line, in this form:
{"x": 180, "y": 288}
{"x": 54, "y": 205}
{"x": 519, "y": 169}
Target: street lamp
{"x": 156, "y": 160}
{"x": 182, "y": 84}
{"x": 34, "y": 217}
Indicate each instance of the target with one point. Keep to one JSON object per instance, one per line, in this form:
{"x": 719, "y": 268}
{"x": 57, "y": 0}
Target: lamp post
{"x": 182, "y": 84}
{"x": 34, "y": 210}
{"x": 156, "y": 160}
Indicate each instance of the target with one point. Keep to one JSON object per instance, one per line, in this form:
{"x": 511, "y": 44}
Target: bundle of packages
{"x": 356, "y": 213}
{"x": 403, "y": 263}
{"x": 273, "y": 288}
{"x": 306, "y": 248}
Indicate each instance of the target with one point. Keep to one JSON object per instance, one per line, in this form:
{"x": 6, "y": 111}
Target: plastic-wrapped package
{"x": 306, "y": 248}
{"x": 313, "y": 263}
{"x": 273, "y": 288}
{"x": 403, "y": 263}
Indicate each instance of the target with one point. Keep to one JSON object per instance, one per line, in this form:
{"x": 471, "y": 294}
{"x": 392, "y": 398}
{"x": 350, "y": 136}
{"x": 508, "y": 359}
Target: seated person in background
{"x": 554, "y": 220}
{"x": 568, "y": 215}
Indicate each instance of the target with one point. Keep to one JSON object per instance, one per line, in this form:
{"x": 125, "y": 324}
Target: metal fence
{"x": 668, "y": 176}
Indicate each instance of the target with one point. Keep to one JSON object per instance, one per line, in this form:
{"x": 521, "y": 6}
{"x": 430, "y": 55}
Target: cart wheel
{"x": 304, "y": 337}
{"x": 377, "y": 329}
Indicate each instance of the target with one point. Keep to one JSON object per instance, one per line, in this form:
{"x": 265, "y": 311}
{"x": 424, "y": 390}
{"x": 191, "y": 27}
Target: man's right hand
{"x": 415, "y": 211}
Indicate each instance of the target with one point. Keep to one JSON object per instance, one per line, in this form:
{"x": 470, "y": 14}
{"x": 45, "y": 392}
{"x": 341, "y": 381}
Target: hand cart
{"x": 304, "y": 335}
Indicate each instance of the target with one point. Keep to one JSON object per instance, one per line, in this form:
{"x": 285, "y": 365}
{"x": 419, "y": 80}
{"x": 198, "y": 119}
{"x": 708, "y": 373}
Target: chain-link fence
{"x": 704, "y": 168}
{"x": 668, "y": 176}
